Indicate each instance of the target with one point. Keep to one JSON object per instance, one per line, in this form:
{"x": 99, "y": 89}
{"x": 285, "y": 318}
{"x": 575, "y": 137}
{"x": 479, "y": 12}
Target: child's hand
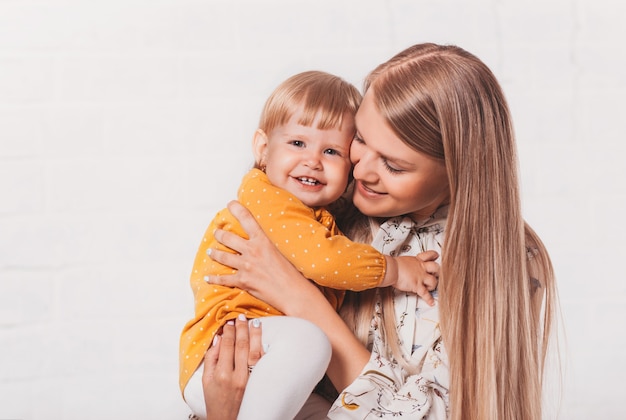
{"x": 419, "y": 274}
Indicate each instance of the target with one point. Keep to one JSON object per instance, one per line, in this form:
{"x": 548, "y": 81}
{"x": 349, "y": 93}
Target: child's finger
{"x": 423, "y": 293}
{"x": 431, "y": 283}
{"x": 428, "y": 255}
{"x": 432, "y": 267}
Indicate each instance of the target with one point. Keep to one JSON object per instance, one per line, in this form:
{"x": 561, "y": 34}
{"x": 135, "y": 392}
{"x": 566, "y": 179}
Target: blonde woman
{"x": 434, "y": 156}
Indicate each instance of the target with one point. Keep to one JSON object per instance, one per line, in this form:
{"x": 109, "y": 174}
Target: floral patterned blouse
{"x": 384, "y": 389}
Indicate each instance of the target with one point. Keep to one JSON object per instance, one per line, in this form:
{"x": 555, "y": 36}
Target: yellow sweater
{"x": 308, "y": 238}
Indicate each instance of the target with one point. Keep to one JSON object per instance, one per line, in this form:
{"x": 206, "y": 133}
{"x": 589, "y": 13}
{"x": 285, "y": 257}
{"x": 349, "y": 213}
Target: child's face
{"x": 310, "y": 163}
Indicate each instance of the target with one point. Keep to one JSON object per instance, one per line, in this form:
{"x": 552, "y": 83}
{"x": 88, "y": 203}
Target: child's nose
{"x": 313, "y": 161}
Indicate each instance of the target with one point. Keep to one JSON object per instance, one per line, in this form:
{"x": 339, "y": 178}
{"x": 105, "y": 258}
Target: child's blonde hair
{"x": 317, "y": 94}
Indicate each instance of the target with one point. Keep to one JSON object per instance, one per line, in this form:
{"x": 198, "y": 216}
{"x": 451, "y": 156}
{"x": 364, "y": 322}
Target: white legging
{"x": 297, "y": 354}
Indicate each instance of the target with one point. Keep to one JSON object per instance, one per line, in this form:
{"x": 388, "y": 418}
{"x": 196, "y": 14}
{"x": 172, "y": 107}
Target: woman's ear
{"x": 260, "y": 142}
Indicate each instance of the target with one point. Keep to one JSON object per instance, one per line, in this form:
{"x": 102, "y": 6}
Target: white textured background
{"x": 125, "y": 124}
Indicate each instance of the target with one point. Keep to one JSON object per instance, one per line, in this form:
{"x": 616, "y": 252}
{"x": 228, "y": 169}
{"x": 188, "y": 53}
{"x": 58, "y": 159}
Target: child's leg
{"x": 296, "y": 358}
{"x": 194, "y": 393}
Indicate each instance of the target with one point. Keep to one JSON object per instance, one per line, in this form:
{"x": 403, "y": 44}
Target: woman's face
{"x": 391, "y": 178}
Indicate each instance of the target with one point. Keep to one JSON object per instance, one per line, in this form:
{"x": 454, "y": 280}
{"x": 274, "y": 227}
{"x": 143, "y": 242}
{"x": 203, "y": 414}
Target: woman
{"x": 434, "y": 152}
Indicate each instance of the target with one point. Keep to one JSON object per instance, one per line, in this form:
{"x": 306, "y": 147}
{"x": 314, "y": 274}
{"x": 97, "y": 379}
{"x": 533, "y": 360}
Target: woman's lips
{"x": 367, "y": 192}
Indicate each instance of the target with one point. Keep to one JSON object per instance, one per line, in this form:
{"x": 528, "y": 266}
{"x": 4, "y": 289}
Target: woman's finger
{"x": 250, "y": 226}
{"x": 227, "y": 348}
{"x": 223, "y": 384}
{"x": 256, "y": 343}
{"x": 228, "y": 280}
{"x": 210, "y": 360}
{"x": 242, "y": 346}
{"x": 224, "y": 257}
{"x": 230, "y": 240}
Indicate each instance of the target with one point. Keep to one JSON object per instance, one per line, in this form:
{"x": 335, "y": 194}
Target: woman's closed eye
{"x": 391, "y": 168}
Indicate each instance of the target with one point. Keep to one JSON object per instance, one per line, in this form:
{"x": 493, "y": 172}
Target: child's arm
{"x": 419, "y": 274}
{"x": 310, "y": 239}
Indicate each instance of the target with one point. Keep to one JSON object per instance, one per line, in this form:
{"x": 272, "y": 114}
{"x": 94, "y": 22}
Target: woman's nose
{"x": 363, "y": 168}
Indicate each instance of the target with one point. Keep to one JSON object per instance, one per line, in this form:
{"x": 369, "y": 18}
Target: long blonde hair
{"x": 496, "y": 289}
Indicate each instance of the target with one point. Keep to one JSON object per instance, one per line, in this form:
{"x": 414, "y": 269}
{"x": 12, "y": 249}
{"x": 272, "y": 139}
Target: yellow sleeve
{"x": 315, "y": 248}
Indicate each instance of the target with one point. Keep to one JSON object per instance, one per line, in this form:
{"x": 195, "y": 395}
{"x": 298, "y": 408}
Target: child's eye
{"x": 332, "y": 152}
{"x": 297, "y": 143}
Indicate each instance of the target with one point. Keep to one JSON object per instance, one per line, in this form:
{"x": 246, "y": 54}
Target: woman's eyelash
{"x": 390, "y": 168}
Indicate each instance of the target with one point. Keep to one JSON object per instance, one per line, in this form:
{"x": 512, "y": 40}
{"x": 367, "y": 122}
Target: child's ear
{"x": 259, "y": 147}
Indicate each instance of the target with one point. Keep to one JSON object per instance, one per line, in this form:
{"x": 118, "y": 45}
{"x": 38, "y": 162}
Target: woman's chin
{"x": 370, "y": 208}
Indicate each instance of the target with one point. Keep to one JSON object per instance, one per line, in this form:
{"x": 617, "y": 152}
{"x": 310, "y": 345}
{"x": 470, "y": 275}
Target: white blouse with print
{"x": 384, "y": 389}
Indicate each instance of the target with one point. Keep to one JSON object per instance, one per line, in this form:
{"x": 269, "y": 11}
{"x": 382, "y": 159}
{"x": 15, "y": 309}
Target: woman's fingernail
{"x": 209, "y": 251}
{"x": 206, "y": 278}
{"x": 216, "y": 338}
{"x": 241, "y": 317}
{"x": 231, "y": 322}
{"x": 256, "y": 322}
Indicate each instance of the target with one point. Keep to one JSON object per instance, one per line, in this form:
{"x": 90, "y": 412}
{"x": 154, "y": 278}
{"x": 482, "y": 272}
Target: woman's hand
{"x": 227, "y": 364}
{"x": 261, "y": 269}
{"x": 265, "y": 273}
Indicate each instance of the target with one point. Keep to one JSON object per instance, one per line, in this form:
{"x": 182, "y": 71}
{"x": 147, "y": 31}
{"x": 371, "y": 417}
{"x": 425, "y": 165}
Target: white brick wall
{"x": 125, "y": 124}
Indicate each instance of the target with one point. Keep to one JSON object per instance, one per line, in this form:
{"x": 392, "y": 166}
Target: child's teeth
{"x": 308, "y": 181}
